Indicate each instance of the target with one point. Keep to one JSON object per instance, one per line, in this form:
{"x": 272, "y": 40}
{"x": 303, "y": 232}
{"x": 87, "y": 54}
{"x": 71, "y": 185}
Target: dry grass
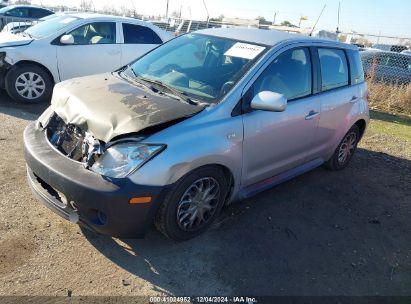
{"x": 390, "y": 98}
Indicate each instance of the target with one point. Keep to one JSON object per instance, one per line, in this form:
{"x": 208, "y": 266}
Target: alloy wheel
{"x": 198, "y": 204}
{"x": 347, "y": 147}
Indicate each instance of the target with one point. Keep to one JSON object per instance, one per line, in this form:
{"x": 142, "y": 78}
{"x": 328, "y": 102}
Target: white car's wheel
{"x": 29, "y": 83}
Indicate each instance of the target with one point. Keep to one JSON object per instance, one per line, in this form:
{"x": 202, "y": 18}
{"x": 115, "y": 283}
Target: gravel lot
{"x": 323, "y": 233}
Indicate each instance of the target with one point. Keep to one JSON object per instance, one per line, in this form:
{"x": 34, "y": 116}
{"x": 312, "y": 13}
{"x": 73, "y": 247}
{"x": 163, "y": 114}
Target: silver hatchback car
{"x": 205, "y": 119}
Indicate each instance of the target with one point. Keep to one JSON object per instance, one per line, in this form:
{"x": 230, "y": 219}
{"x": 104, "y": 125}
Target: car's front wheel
{"x": 193, "y": 204}
{"x": 345, "y": 150}
{"x": 29, "y": 83}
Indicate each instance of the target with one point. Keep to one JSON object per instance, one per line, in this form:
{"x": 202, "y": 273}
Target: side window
{"x": 356, "y": 68}
{"x": 38, "y": 13}
{"x": 289, "y": 74}
{"x": 95, "y": 33}
{"x": 19, "y": 12}
{"x": 334, "y": 68}
{"x": 136, "y": 34}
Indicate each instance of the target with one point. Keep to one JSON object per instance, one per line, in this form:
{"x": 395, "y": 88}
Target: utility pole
{"x": 208, "y": 15}
{"x": 338, "y": 22}
{"x": 167, "y": 10}
{"x": 275, "y": 17}
{"x": 134, "y": 9}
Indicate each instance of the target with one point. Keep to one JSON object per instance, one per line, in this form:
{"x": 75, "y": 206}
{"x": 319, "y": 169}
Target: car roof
{"x": 266, "y": 37}
{"x": 25, "y": 6}
{"x": 103, "y": 16}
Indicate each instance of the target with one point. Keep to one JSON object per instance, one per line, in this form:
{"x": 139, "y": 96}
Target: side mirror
{"x": 67, "y": 39}
{"x": 269, "y": 101}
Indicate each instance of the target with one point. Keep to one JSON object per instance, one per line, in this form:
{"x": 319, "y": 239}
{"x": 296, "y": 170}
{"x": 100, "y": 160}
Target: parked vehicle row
{"x": 389, "y": 67}
{"x": 68, "y": 46}
{"x": 203, "y": 120}
{"x": 21, "y": 13}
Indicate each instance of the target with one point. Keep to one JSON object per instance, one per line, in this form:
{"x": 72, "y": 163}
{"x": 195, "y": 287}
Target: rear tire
{"x": 194, "y": 203}
{"x": 29, "y": 83}
{"x": 345, "y": 150}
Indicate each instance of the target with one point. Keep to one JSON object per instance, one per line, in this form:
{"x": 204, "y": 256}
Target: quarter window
{"x": 357, "y": 71}
{"x": 334, "y": 68}
{"x": 289, "y": 74}
{"x": 95, "y": 33}
{"x": 136, "y": 34}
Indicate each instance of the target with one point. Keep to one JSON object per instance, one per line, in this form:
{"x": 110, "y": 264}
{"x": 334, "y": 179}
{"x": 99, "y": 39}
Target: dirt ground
{"x": 323, "y": 233}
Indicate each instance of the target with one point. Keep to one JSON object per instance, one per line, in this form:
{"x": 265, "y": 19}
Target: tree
{"x": 85, "y": 5}
{"x": 24, "y": 2}
{"x": 218, "y": 19}
{"x": 287, "y": 23}
{"x": 261, "y": 19}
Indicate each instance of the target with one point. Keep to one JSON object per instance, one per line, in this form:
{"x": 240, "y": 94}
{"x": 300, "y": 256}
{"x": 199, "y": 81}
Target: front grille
{"x": 67, "y": 138}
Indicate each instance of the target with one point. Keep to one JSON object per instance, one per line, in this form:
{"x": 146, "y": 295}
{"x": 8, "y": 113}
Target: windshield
{"x": 202, "y": 67}
{"x": 5, "y": 9}
{"x": 51, "y": 26}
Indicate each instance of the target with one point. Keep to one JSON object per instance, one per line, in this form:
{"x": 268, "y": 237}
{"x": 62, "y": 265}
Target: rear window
{"x": 39, "y": 13}
{"x": 136, "y": 34}
{"x": 334, "y": 69}
{"x": 356, "y": 68}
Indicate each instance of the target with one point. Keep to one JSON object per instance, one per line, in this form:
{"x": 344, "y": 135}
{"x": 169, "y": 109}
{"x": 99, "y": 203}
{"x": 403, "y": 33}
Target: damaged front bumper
{"x": 4, "y": 68}
{"x": 82, "y": 196}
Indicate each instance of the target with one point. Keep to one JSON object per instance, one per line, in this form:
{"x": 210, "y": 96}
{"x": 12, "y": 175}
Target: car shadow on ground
{"x": 323, "y": 233}
{"x": 20, "y": 110}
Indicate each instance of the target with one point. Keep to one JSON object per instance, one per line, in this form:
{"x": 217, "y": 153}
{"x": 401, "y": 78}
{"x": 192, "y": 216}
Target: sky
{"x": 383, "y": 17}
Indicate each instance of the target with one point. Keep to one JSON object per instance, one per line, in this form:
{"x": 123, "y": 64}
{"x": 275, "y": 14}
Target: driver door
{"x": 95, "y": 50}
{"x": 275, "y": 142}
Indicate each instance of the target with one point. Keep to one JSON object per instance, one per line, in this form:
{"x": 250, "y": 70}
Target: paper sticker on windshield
{"x": 244, "y": 50}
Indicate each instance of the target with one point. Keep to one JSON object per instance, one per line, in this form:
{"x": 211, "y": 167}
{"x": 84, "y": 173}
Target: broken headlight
{"x": 122, "y": 159}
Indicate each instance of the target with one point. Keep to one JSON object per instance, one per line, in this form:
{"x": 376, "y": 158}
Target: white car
{"x": 16, "y": 27}
{"x": 71, "y": 46}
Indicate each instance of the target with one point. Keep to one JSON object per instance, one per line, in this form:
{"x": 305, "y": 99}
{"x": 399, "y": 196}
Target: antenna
{"x": 322, "y": 11}
{"x": 338, "y": 22}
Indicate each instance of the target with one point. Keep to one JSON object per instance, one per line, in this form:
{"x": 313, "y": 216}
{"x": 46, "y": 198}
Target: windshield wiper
{"x": 182, "y": 95}
{"x": 25, "y": 34}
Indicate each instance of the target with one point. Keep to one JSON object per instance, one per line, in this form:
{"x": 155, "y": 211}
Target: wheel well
{"x": 361, "y": 124}
{"x": 24, "y": 62}
{"x": 230, "y": 178}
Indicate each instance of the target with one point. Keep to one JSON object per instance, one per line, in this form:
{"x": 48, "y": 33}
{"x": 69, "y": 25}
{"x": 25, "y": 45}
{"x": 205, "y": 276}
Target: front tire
{"x": 195, "y": 202}
{"x": 29, "y": 83}
{"x": 345, "y": 150}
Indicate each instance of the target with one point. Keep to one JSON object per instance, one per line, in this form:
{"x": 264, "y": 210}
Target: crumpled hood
{"x": 9, "y": 39}
{"x": 107, "y": 106}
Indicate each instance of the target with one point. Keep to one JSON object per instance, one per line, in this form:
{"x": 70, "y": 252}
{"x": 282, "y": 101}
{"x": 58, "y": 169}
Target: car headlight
{"x": 122, "y": 159}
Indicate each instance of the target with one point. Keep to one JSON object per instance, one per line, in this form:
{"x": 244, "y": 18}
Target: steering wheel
{"x": 226, "y": 87}
{"x": 170, "y": 68}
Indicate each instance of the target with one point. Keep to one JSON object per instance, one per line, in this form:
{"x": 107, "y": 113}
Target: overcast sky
{"x": 367, "y": 16}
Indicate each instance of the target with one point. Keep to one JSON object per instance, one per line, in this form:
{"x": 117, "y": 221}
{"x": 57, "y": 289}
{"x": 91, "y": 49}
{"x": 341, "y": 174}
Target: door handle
{"x": 113, "y": 52}
{"x": 354, "y": 99}
{"x": 312, "y": 115}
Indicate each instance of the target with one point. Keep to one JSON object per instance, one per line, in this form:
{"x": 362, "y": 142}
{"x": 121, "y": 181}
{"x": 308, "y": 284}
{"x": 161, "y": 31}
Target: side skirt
{"x": 278, "y": 179}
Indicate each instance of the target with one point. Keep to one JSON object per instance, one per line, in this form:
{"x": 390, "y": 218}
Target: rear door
{"x": 95, "y": 50}
{"x": 275, "y": 142}
{"x": 137, "y": 40}
{"x": 338, "y": 98}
